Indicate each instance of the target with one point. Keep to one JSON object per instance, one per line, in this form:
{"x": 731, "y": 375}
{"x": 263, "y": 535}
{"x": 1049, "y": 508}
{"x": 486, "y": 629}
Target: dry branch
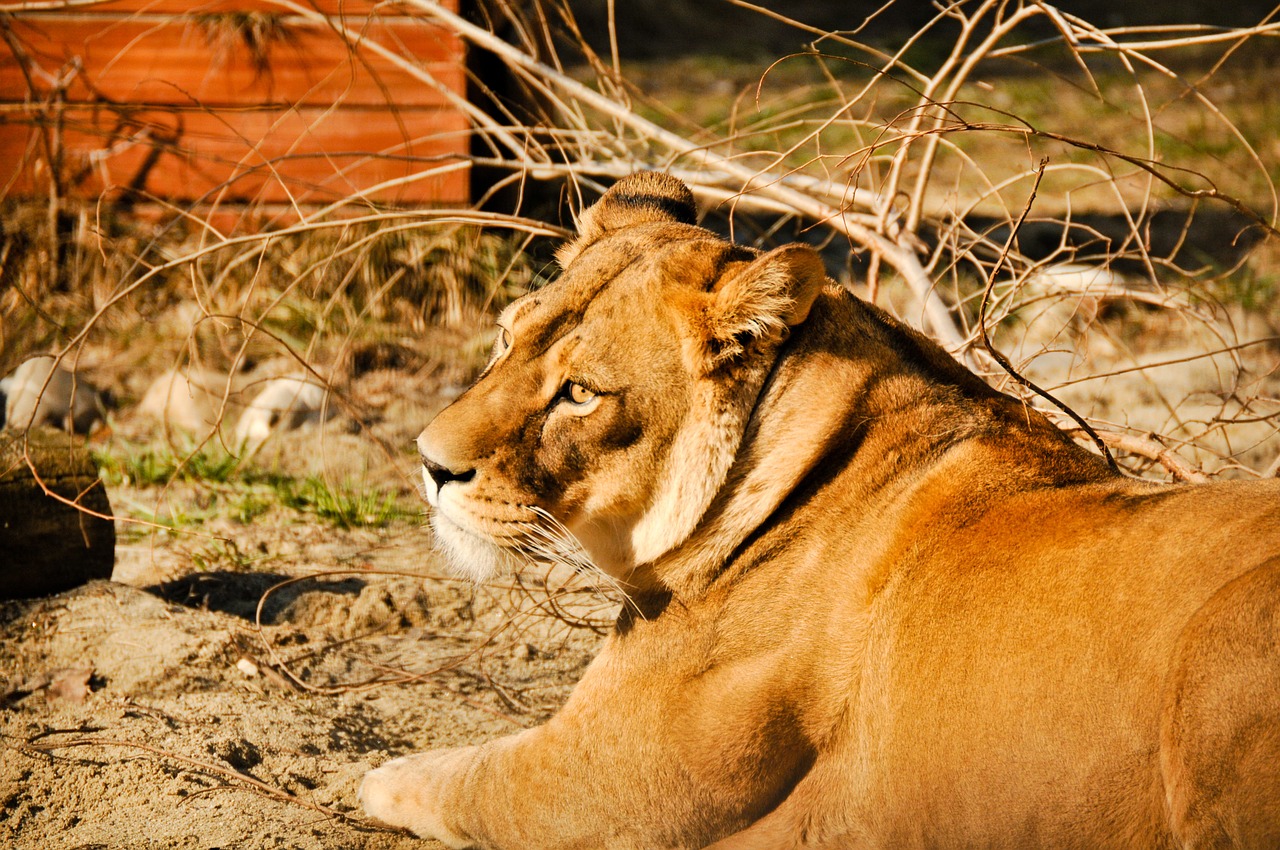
{"x": 1151, "y": 448}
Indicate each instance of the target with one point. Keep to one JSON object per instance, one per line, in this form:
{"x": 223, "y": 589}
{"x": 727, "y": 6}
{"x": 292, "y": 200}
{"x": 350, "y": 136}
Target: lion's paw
{"x": 405, "y": 792}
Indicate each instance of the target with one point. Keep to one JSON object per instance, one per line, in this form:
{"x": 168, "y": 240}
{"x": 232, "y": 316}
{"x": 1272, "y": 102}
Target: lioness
{"x": 876, "y": 602}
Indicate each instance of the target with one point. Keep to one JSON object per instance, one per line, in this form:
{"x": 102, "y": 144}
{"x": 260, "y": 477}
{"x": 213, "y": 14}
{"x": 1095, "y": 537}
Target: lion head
{"x": 616, "y": 397}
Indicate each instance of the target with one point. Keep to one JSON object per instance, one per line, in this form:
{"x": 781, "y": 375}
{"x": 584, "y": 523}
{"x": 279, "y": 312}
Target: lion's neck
{"x": 698, "y": 465}
{"x": 845, "y": 400}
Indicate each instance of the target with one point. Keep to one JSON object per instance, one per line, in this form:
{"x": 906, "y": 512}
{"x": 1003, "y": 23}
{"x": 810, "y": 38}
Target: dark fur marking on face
{"x": 676, "y": 208}
{"x": 624, "y": 437}
{"x": 623, "y": 432}
{"x": 544, "y": 485}
{"x": 575, "y": 463}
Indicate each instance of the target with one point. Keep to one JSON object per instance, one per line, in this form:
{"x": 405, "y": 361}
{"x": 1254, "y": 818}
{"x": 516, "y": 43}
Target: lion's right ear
{"x": 638, "y": 198}
{"x": 760, "y": 301}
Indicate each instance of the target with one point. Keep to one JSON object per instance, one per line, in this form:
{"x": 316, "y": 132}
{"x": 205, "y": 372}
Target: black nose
{"x": 442, "y": 475}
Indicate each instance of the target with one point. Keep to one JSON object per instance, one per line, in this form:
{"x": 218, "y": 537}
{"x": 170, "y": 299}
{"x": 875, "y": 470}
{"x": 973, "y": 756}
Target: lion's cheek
{"x": 603, "y": 465}
{"x": 549, "y": 469}
{"x": 609, "y": 486}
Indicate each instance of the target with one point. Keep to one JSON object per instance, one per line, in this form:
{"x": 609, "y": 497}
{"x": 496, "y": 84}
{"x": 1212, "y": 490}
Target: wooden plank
{"x": 185, "y": 62}
{"x": 310, "y": 155}
{"x": 344, "y": 8}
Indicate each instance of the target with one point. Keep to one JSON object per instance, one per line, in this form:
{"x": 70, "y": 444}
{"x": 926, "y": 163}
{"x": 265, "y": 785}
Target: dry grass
{"x": 304, "y": 294}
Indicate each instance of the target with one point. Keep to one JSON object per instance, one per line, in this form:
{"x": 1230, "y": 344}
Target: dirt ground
{"x": 144, "y": 713}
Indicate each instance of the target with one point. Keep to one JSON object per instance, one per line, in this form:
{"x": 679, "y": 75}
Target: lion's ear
{"x": 762, "y": 300}
{"x": 636, "y": 199}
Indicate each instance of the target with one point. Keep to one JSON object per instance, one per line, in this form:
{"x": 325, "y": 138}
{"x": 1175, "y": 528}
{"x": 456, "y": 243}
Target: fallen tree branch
{"x": 1152, "y": 449}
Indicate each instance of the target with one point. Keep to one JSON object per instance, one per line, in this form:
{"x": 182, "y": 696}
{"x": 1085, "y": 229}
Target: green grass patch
{"x": 223, "y": 555}
{"x": 345, "y": 506}
{"x": 249, "y": 506}
{"x": 127, "y": 464}
{"x": 171, "y": 514}
{"x": 243, "y": 492}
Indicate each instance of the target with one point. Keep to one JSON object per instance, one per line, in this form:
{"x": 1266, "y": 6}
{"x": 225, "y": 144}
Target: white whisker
{"x": 549, "y": 542}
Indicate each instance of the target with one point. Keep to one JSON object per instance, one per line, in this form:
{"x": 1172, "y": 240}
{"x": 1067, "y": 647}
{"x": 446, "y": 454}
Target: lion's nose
{"x": 442, "y": 475}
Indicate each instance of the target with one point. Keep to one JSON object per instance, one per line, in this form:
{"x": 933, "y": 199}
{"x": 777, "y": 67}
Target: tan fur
{"x": 877, "y": 604}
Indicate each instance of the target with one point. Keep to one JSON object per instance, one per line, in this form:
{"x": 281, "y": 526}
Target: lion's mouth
{"x": 495, "y": 532}
{"x": 430, "y": 489}
{"x": 507, "y": 545}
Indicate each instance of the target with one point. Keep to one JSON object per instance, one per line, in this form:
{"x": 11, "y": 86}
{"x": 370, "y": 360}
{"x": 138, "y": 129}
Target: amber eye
{"x": 578, "y": 394}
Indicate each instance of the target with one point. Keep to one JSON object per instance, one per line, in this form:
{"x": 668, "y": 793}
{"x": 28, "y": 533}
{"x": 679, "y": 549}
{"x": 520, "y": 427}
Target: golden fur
{"x": 877, "y": 603}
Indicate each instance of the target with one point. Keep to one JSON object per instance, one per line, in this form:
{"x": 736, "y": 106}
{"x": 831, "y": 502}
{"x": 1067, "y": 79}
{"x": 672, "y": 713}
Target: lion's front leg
{"x": 413, "y": 792}
{"x": 643, "y": 755}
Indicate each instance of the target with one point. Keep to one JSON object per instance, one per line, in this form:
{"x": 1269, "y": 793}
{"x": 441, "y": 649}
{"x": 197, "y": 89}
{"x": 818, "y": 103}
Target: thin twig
{"x": 1004, "y": 361}
{"x": 221, "y": 770}
{"x": 1151, "y": 448}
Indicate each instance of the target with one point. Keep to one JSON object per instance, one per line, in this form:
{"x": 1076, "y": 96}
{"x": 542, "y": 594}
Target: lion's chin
{"x": 469, "y": 555}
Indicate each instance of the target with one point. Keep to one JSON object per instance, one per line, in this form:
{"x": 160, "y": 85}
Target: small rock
{"x": 284, "y": 403}
{"x": 70, "y": 685}
{"x": 43, "y": 391}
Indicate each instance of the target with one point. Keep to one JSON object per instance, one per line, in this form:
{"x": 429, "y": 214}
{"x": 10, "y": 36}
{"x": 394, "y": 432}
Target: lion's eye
{"x": 578, "y": 396}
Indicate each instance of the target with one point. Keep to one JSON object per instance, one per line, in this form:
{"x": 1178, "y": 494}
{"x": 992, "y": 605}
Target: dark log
{"x": 47, "y": 545}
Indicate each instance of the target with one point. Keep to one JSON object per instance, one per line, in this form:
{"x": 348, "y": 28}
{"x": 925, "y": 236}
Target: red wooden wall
{"x": 229, "y": 100}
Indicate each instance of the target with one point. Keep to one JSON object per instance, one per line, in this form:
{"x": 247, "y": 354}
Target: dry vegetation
{"x": 1100, "y": 204}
